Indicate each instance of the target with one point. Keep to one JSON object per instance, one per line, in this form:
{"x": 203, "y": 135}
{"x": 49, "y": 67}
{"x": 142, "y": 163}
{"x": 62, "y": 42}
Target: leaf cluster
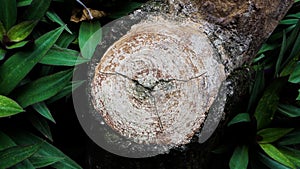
{"x": 273, "y": 102}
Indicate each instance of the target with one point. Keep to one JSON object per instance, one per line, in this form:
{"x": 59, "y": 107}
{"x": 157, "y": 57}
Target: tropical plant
{"x": 38, "y": 52}
{"x": 273, "y": 109}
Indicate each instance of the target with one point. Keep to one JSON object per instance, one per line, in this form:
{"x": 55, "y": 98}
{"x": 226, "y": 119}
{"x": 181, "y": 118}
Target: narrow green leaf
{"x": 268, "y": 103}
{"x": 267, "y": 47}
{"x": 44, "y": 161}
{"x": 55, "y": 18}
{"x": 65, "y": 91}
{"x": 259, "y": 84}
{"x": 2, "y": 31}
{"x": 37, "y": 9}
{"x": 46, "y": 150}
{"x": 13, "y": 155}
{"x": 289, "y": 110}
{"x": 291, "y": 39}
{"x": 90, "y": 35}
{"x": 21, "y": 31}
{"x": 281, "y": 54}
{"x": 65, "y": 40}
{"x": 20, "y": 64}
{"x": 275, "y": 154}
{"x": 24, "y": 164}
{"x": 62, "y": 57}
{"x": 2, "y": 54}
{"x": 8, "y": 13}
{"x": 41, "y": 125}
{"x": 43, "y": 88}
{"x": 298, "y": 98}
{"x": 289, "y": 21}
{"x": 295, "y": 50}
{"x": 17, "y": 45}
{"x": 21, "y": 3}
{"x": 43, "y": 110}
{"x": 271, "y": 163}
{"x": 290, "y": 139}
{"x": 275, "y": 36}
{"x": 239, "y": 159}
{"x": 289, "y": 68}
{"x": 242, "y": 117}
{"x": 292, "y": 154}
{"x": 270, "y": 135}
{"x": 5, "y": 141}
{"x": 295, "y": 76}
{"x": 9, "y": 107}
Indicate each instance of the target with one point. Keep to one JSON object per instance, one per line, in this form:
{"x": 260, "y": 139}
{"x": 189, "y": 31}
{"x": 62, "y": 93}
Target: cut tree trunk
{"x": 166, "y": 75}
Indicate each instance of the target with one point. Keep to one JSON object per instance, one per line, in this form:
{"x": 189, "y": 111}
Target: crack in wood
{"x": 148, "y": 90}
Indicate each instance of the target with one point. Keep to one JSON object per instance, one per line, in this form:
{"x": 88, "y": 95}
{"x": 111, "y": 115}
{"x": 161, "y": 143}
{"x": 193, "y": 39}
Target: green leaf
{"x": 275, "y": 36}
{"x": 298, "y": 98}
{"x": 289, "y": 68}
{"x": 55, "y": 18}
{"x": 290, "y": 139}
{"x": 8, "y": 13}
{"x": 270, "y": 135}
{"x": 43, "y": 88}
{"x": 62, "y": 57}
{"x": 13, "y": 155}
{"x": 289, "y": 110}
{"x": 21, "y": 3}
{"x": 239, "y": 159}
{"x": 5, "y": 141}
{"x": 17, "y": 45}
{"x": 2, "y": 31}
{"x": 41, "y": 125}
{"x": 24, "y": 164}
{"x": 20, "y": 64}
{"x": 268, "y": 103}
{"x": 292, "y": 154}
{"x": 275, "y": 154}
{"x": 259, "y": 84}
{"x": 65, "y": 40}
{"x": 295, "y": 51}
{"x": 90, "y": 35}
{"x": 289, "y": 21}
{"x": 271, "y": 163}
{"x": 43, "y": 110}
{"x": 242, "y": 117}
{"x": 2, "y": 54}
{"x": 9, "y": 107}
{"x": 46, "y": 150}
{"x": 37, "y": 9}
{"x": 65, "y": 91}
{"x": 44, "y": 161}
{"x": 295, "y": 76}
{"x": 21, "y": 31}
{"x": 267, "y": 47}
{"x": 281, "y": 54}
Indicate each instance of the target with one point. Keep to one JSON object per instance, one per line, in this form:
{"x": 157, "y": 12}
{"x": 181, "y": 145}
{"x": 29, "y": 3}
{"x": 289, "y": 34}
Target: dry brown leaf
{"x": 79, "y": 15}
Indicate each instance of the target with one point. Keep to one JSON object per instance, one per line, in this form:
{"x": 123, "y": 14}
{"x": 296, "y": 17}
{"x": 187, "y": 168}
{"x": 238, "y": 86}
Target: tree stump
{"x": 160, "y": 76}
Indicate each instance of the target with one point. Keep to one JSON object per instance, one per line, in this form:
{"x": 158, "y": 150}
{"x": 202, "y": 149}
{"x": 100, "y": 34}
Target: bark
{"x": 167, "y": 78}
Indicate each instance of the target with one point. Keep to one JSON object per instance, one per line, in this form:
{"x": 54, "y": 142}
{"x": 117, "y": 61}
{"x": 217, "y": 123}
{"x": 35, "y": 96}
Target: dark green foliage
{"x": 37, "y": 54}
{"x": 276, "y": 64}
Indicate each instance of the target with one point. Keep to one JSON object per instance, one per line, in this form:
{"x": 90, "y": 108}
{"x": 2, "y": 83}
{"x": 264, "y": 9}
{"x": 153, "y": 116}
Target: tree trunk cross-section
{"x": 157, "y": 82}
{"x": 167, "y": 76}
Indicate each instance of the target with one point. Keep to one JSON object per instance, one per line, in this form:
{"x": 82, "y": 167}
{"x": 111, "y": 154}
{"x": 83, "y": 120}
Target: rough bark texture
{"x": 214, "y": 37}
